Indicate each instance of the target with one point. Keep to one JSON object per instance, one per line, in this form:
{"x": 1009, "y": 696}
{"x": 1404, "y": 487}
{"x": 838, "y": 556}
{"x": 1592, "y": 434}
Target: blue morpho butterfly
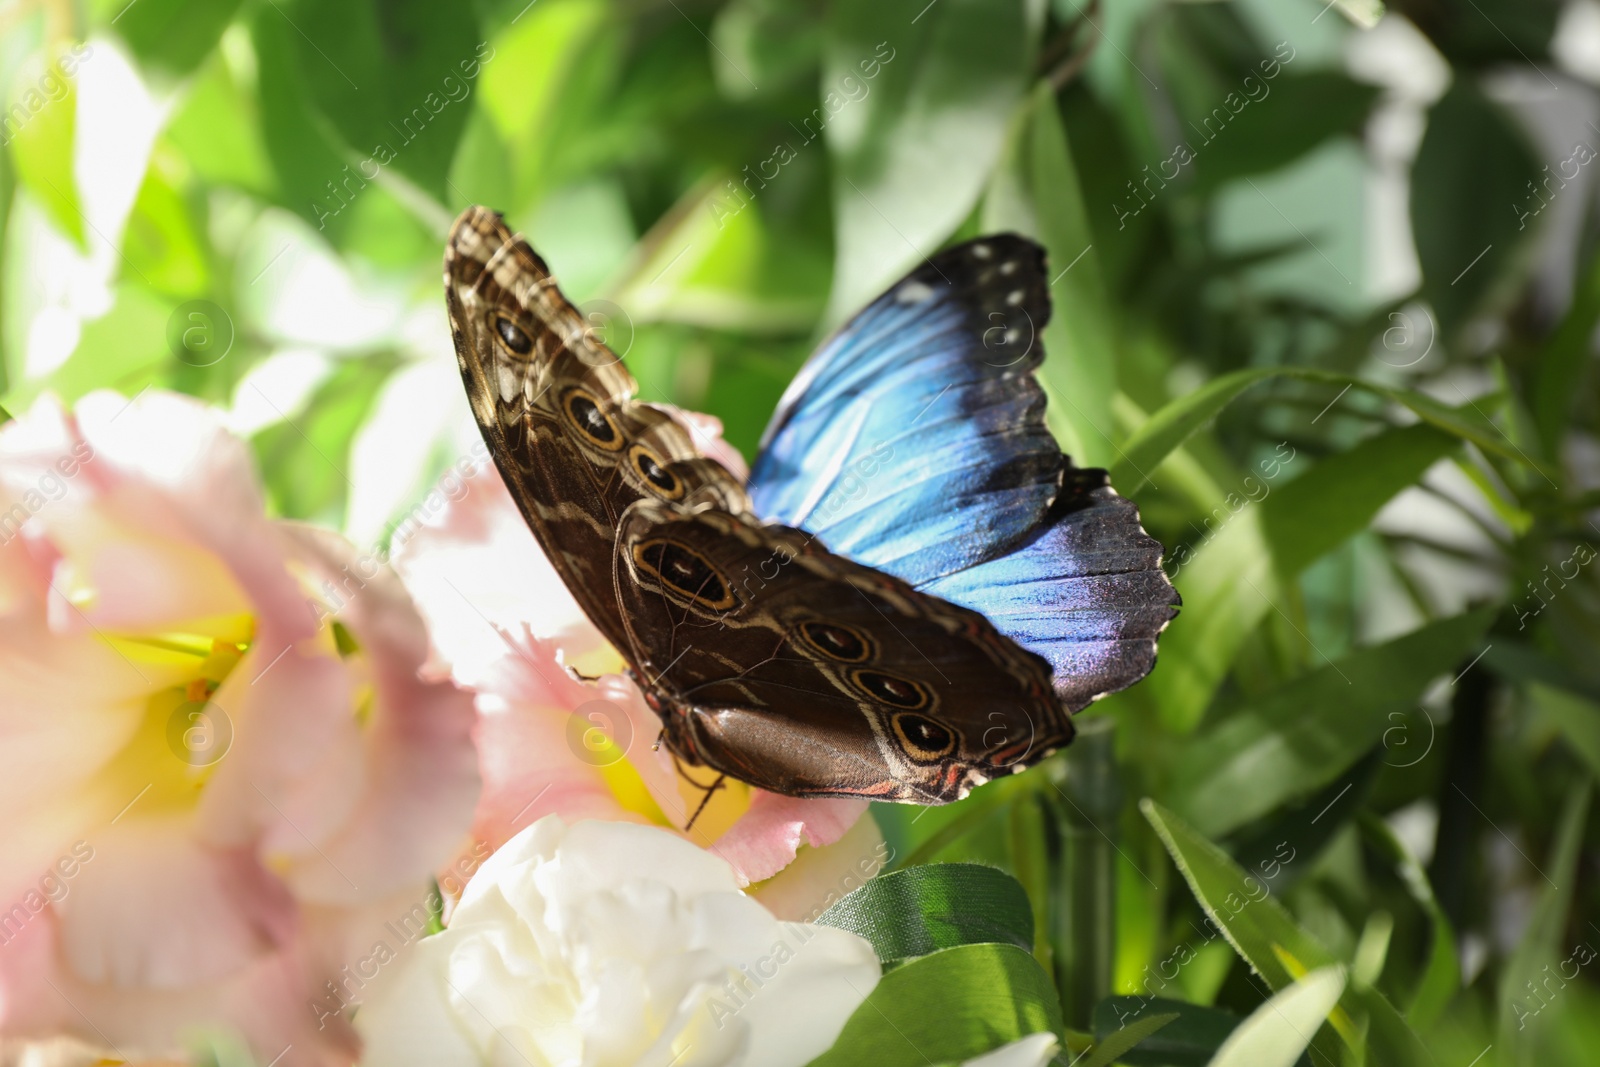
{"x": 915, "y": 588}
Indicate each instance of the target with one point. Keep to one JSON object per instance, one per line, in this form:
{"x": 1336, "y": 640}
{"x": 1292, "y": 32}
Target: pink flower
{"x": 222, "y": 779}
{"x": 504, "y": 624}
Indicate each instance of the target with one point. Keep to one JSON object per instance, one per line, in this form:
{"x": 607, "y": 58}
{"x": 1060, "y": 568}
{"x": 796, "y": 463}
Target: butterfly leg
{"x": 710, "y": 792}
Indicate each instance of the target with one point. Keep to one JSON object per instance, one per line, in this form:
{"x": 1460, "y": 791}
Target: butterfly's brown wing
{"x": 781, "y": 664}
{"x": 556, "y": 408}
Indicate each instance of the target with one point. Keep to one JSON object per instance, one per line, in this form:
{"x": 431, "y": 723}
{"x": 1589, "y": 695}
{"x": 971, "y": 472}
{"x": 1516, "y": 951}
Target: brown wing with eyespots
{"x": 557, "y": 409}
{"x": 783, "y": 665}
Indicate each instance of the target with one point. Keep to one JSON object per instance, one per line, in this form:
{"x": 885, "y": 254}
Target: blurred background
{"x": 1326, "y": 280}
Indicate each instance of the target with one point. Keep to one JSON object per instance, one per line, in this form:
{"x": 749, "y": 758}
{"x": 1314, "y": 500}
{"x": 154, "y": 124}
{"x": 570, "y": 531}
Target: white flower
{"x": 614, "y": 945}
{"x": 1035, "y": 1050}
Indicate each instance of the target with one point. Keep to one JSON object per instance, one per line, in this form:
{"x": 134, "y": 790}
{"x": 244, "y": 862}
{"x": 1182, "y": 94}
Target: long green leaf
{"x": 42, "y": 144}
{"x": 1266, "y": 937}
{"x": 1441, "y": 978}
{"x": 1037, "y": 192}
{"x": 912, "y": 154}
{"x": 394, "y": 79}
{"x": 1540, "y": 946}
{"x": 1229, "y": 582}
{"x": 1175, "y": 423}
{"x": 1562, "y": 367}
{"x": 1310, "y": 731}
{"x": 949, "y": 1006}
{"x": 1190, "y": 1039}
{"x": 1469, "y": 233}
{"x": 1115, "y": 1046}
{"x": 1277, "y": 1032}
{"x": 1232, "y": 579}
{"x": 919, "y": 910}
{"x": 1313, "y": 515}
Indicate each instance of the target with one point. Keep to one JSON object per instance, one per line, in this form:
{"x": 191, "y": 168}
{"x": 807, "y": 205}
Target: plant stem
{"x": 1088, "y": 802}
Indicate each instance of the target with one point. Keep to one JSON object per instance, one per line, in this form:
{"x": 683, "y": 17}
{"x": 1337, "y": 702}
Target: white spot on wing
{"x": 506, "y": 378}
{"x": 913, "y": 293}
{"x": 982, "y": 251}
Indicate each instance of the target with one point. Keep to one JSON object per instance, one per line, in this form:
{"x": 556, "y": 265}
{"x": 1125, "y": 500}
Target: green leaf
{"x": 921, "y": 835}
{"x": 1284, "y": 847}
{"x": 523, "y": 93}
{"x": 125, "y": 349}
{"x": 1469, "y": 185}
{"x": 305, "y": 457}
{"x": 218, "y": 131}
{"x": 303, "y": 149}
{"x": 162, "y": 242}
{"x": 1114, "y": 1047}
{"x": 394, "y": 78}
{"x": 918, "y": 910}
{"x": 1189, "y": 1040}
{"x": 1277, "y": 1033}
{"x": 1317, "y": 513}
{"x": 1541, "y": 945}
{"x": 1175, "y": 423}
{"x": 1563, "y": 366}
{"x": 41, "y": 117}
{"x": 173, "y": 35}
{"x": 1577, "y": 718}
{"x": 1229, "y": 582}
{"x": 1441, "y": 979}
{"x": 1296, "y": 114}
{"x": 1232, "y": 579}
{"x": 1276, "y": 948}
{"x": 950, "y": 1006}
{"x": 1036, "y": 192}
{"x": 1372, "y": 951}
{"x": 1309, "y": 731}
{"x": 722, "y": 267}
{"x": 912, "y": 152}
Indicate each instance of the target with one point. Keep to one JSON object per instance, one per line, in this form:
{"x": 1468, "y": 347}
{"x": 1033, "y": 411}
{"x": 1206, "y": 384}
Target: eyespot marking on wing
{"x": 648, "y": 466}
{"x": 685, "y": 572}
{"x": 892, "y": 689}
{"x": 512, "y": 338}
{"x": 923, "y": 739}
{"x": 589, "y": 419}
{"x": 836, "y": 641}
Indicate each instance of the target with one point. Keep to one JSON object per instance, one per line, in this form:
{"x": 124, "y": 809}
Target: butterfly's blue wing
{"x": 1087, "y": 592}
{"x": 914, "y": 440}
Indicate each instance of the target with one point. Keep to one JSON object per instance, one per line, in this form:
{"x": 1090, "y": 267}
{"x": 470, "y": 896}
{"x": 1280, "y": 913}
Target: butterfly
{"x": 914, "y": 590}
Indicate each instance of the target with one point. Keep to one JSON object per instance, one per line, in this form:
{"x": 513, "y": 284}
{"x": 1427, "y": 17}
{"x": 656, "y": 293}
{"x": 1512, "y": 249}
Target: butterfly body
{"x": 769, "y": 654}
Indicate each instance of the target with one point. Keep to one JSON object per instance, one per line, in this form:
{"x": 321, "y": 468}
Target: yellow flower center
{"x": 730, "y": 800}
{"x": 183, "y": 733}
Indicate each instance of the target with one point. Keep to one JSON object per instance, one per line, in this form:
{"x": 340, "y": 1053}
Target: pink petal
{"x": 476, "y": 573}
{"x": 765, "y": 840}
{"x": 216, "y": 910}
{"x": 266, "y": 1002}
{"x": 420, "y": 763}
{"x": 820, "y": 877}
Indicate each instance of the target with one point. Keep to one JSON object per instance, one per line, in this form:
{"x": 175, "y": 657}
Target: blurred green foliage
{"x": 1369, "y": 737}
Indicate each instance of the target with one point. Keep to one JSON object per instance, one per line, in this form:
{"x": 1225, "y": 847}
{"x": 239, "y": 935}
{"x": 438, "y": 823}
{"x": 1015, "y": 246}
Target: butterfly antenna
{"x": 710, "y": 792}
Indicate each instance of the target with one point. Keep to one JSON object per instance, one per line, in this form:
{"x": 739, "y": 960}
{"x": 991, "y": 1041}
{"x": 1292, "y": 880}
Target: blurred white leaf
{"x": 275, "y": 389}
{"x": 1277, "y": 1032}
{"x": 295, "y": 289}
